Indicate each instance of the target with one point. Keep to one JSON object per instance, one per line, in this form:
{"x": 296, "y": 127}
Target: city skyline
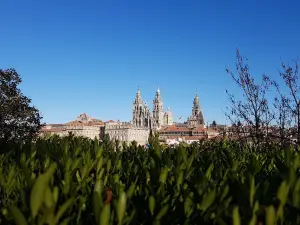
{"x": 150, "y": 104}
{"x": 77, "y": 57}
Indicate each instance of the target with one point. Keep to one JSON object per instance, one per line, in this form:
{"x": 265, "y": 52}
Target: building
{"x": 192, "y": 130}
{"x": 143, "y": 120}
{"x": 141, "y": 116}
{"x": 127, "y": 132}
{"x": 196, "y": 119}
{"x": 177, "y": 140}
{"x": 168, "y": 117}
{"x": 186, "y": 133}
{"x": 84, "y": 125}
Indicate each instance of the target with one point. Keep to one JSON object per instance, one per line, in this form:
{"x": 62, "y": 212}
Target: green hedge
{"x": 80, "y": 181}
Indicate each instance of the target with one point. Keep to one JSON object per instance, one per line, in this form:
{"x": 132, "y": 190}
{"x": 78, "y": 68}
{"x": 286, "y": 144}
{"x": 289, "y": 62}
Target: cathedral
{"x": 143, "y": 120}
{"x": 142, "y": 117}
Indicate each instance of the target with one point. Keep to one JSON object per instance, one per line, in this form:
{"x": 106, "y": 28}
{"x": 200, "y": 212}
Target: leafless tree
{"x": 253, "y": 109}
{"x": 283, "y": 114}
{"x": 290, "y": 75}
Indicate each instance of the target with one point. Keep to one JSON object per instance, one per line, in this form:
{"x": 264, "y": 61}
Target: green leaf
{"x": 208, "y": 171}
{"x": 121, "y": 207}
{"x": 180, "y": 179}
{"x": 97, "y": 198}
{"x": 253, "y": 220}
{"x": 296, "y": 194}
{"x": 38, "y": 190}
{"x": 256, "y": 207}
{"x": 292, "y": 176}
{"x": 252, "y": 190}
{"x": 66, "y": 221}
{"x": 225, "y": 192}
{"x": 130, "y": 191}
{"x": 162, "y": 212}
{"x": 151, "y": 203}
{"x": 208, "y": 200}
{"x": 188, "y": 205}
{"x": 270, "y": 216}
{"x": 48, "y": 197}
{"x": 63, "y": 208}
{"x": 105, "y": 215}
{"x": 236, "y": 216}
{"x": 283, "y": 192}
{"x": 55, "y": 194}
{"x": 163, "y": 175}
{"x": 17, "y": 216}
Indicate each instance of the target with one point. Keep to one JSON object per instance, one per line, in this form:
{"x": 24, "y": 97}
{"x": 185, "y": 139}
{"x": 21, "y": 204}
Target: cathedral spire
{"x": 138, "y": 97}
{"x": 158, "y": 111}
{"x": 138, "y": 113}
{"x": 196, "y": 100}
{"x": 158, "y": 96}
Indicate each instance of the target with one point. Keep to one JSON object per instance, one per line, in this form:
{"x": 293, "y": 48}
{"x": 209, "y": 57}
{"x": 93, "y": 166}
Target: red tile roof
{"x": 187, "y": 137}
{"x": 174, "y": 128}
{"x": 55, "y": 124}
{"x": 89, "y": 123}
{"x": 56, "y": 129}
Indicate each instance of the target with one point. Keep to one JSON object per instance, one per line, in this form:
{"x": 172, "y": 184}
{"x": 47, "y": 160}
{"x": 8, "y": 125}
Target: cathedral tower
{"x": 196, "y": 106}
{"x": 138, "y": 110}
{"x": 197, "y": 117}
{"x": 147, "y": 117}
{"x": 140, "y": 113}
{"x": 158, "y": 110}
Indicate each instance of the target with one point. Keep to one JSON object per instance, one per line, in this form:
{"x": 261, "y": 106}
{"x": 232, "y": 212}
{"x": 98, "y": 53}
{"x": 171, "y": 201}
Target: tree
{"x": 124, "y": 146}
{"x": 214, "y": 123}
{"x": 253, "y": 110}
{"x": 153, "y": 139}
{"x": 19, "y": 120}
{"x": 291, "y": 102}
{"x": 107, "y": 143}
{"x": 283, "y": 114}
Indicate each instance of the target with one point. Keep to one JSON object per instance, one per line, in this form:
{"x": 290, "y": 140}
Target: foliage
{"x": 153, "y": 139}
{"x": 75, "y": 180}
{"x": 18, "y": 119}
{"x": 214, "y": 123}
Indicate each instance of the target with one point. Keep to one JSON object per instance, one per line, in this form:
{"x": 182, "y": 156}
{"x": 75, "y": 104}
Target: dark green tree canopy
{"x": 19, "y": 120}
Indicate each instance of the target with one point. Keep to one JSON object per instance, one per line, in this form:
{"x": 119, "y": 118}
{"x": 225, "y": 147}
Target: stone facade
{"x": 168, "y": 118}
{"x": 140, "y": 112}
{"x": 124, "y": 131}
{"x": 142, "y": 121}
{"x": 141, "y": 116}
{"x": 189, "y": 134}
{"x": 84, "y": 126}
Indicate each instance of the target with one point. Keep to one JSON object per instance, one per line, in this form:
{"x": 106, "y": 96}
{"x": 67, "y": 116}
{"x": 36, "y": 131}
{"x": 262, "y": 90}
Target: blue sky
{"x": 90, "y": 56}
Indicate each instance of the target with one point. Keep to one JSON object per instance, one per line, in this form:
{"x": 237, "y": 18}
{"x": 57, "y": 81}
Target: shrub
{"x": 75, "y": 180}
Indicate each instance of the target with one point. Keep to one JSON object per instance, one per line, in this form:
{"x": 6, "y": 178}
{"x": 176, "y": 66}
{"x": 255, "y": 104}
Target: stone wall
{"x": 127, "y": 132}
{"x": 77, "y": 130}
{"x": 85, "y": 131}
